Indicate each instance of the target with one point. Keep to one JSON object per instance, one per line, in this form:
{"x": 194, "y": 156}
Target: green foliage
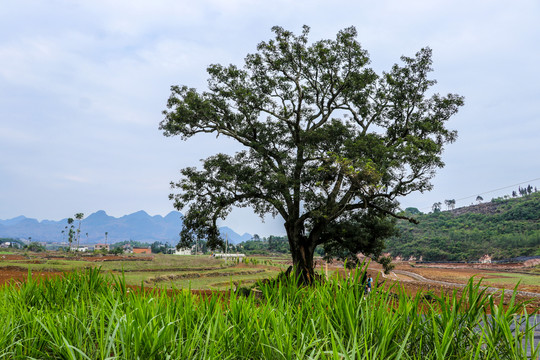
{"x": 116, "y": 251}
{"x": 357, "y": 234}
{"x": 133, "y": 243}
{"x": 35, "y": 247}
{"x": 412, "y": 211}
{"x": 158, "y": 247}
{"x": 326, "y": 140}
{"x": 71, "y": 231}
{"x": 270, "y": 245}
{"x": 509, "y": 231}
{"x": 89, "y": 316}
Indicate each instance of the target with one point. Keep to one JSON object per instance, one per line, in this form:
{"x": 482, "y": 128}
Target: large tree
{"x": 330, "y": 145}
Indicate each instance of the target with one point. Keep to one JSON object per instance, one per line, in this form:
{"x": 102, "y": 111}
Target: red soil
{"x": 9, "y": 274}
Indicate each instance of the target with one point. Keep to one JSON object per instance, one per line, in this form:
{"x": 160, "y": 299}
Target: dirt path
{"x": 444, "y": 283}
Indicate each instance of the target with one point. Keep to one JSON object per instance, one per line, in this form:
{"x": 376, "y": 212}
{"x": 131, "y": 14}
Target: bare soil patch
{"x": 12, "y": 273}
{"x": 462, "y": 275}
{"x": 99, "y": 258}
{"x": 13, "y": 257}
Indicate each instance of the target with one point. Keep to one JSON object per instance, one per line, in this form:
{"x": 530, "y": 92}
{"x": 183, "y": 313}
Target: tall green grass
{"x": 87, "y": 315}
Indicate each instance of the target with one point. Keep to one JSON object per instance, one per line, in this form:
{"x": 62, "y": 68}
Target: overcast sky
{"x": 83, "y": 84}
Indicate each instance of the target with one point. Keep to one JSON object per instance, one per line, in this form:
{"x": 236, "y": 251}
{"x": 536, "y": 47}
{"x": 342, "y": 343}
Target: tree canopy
{"x": 330, "y": 145}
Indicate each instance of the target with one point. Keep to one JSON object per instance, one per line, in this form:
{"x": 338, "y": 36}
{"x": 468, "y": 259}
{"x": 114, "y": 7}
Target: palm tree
{"x": 79, "y": 216}
{"x": 71, "y": 232}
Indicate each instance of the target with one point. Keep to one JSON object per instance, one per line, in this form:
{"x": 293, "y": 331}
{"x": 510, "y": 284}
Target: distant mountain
{"x": 138, "y": 226}
{"x": 12, "y": 221}
{"x": 233, "y": 238}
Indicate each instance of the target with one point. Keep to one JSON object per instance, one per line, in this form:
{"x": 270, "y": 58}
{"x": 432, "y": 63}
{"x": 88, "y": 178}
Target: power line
{"x": 506, "y": 187}
{"x": 490, "y": 191}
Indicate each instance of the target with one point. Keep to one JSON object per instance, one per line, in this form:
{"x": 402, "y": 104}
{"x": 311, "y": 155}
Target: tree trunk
{"x": 302, "y": 251}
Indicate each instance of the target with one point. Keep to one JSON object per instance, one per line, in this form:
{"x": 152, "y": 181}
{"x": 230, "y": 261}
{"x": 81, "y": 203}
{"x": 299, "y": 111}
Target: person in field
{"x": 369, "y": 283}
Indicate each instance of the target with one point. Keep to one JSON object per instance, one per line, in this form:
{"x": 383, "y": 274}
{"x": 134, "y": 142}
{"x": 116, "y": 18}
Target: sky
{"x": 83, "y": 85}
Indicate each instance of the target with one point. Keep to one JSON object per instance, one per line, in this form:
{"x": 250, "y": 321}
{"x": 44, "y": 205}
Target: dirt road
{"x": 420, "y": 278}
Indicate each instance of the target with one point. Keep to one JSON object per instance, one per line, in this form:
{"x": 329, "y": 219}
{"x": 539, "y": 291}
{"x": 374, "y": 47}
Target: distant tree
{"x": 436, "y": 207}
{"x": 79, "y": 216}
{"x": 35, "y": 247}
{"x": 71, "y": 234}
{"x": 525, "y": 191}
{"x": 412, "y": 211}
{"x": 277, "y": 244}
{"x": 479, "y": 199}
{"x": 106, "y": 235}
{"x": 450, "y": 204}
{"x": 327, "y": 141}
{"x": 514, "y": 194}
{"x": 447, "y": 203}
{"x": 117, "y": 250}
{"x": 158, "y": 247}
{"x": 256, "y": 238}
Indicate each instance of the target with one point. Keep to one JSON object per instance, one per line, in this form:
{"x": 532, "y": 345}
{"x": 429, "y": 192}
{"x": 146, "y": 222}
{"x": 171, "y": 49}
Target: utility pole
{"x": 226, "y": 247}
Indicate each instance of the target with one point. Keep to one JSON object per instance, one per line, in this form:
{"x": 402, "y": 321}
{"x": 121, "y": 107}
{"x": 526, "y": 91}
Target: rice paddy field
{"x": 170, "y": 307}
{"x": 157, "y": 270}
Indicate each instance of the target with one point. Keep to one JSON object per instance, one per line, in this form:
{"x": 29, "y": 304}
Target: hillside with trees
{"x": 504, "y": 228}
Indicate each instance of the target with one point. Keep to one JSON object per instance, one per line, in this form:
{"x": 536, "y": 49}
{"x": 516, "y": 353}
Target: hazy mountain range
{"x": 138, "y": 226}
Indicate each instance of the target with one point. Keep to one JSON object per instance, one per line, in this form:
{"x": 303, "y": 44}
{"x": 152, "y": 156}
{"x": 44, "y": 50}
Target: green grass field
{"x": 512, "y": 279}
{"x": 94, "y": 315}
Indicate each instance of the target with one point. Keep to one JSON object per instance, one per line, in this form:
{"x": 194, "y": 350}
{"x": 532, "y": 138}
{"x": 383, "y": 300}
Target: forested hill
{"x": 502, "y": 228}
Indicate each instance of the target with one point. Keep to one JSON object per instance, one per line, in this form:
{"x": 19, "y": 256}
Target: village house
{"x": 182, "y": 251}
{"x": 98, "y": 247}
{"x": 79, "y": 249}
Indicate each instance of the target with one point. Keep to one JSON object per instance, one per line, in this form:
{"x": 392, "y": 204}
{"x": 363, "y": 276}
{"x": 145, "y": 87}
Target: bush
{"x": 35, "y": 247}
